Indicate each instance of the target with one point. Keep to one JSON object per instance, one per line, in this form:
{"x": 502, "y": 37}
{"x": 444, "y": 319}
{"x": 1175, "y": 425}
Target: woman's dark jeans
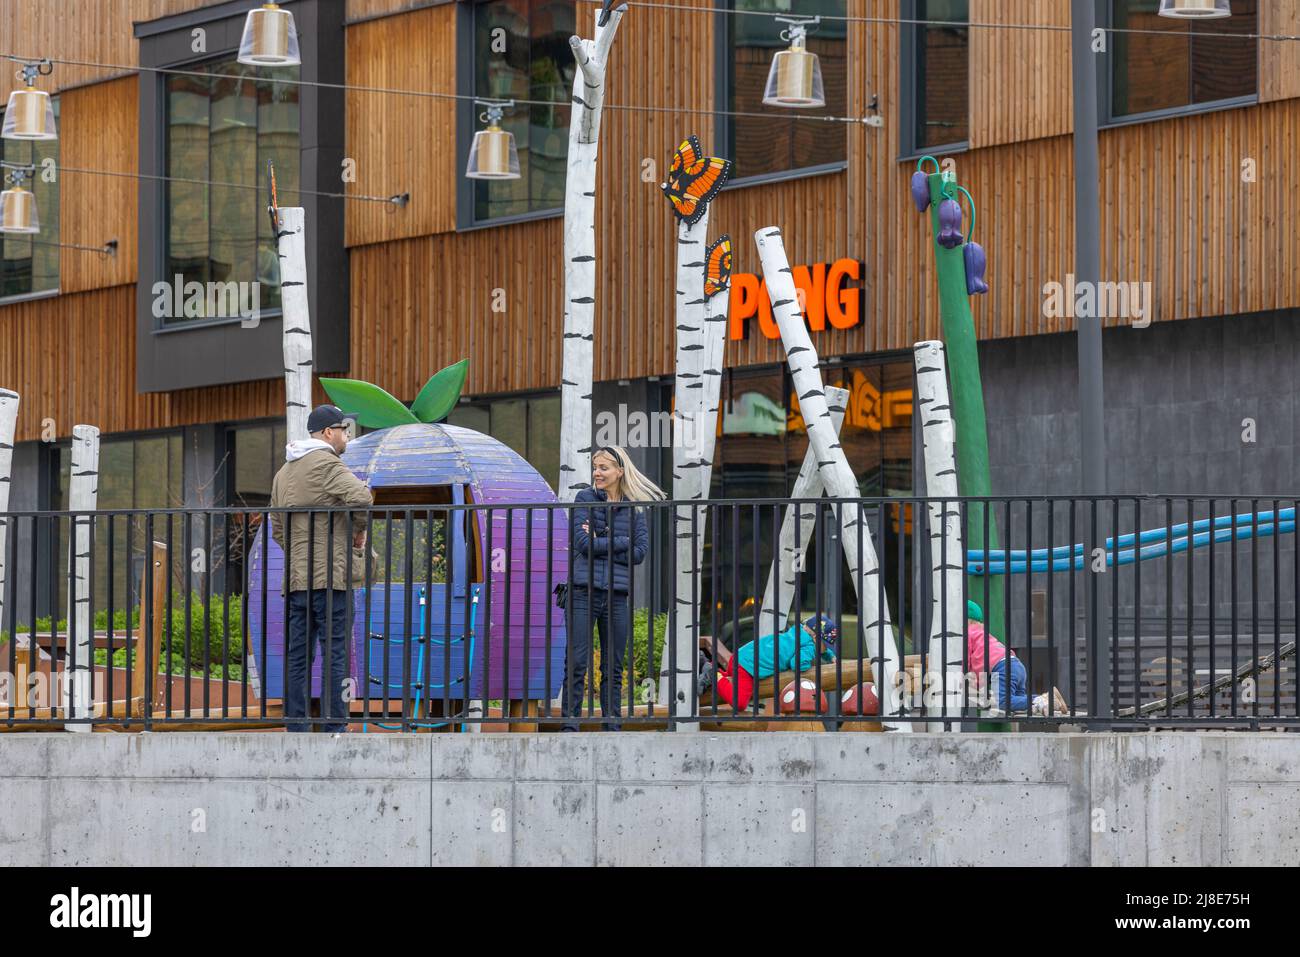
{"x": 605, "y": 612}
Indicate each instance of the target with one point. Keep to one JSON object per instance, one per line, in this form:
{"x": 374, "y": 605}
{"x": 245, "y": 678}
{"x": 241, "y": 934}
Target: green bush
{"x": 175, "y": 658}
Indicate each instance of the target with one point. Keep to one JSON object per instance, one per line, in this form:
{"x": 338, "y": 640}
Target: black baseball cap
{"x": 325, "y": 417}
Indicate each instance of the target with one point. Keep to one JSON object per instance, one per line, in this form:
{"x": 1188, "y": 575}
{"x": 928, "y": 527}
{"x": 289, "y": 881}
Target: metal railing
{"x": 176, "y": 619}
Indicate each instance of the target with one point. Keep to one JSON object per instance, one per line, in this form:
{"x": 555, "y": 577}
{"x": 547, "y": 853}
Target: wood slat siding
{"x": 1019, "y": 79}
{"x": 368, "y": 9}
{"x": 402, "y": 144}
{"x": 1279, "y": 60}
{"x": 1175, "y": 211}
{"x": 93, "y": 31}
{"x": 98, "y": 131}
{"x": 73, "y": 360}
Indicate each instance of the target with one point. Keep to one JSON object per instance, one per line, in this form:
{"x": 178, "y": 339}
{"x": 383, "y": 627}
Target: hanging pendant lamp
{"x": 795, "y": 77}
{"x": 492, "y": 155}
{"x": 30, "y": 113}
{"x": 1195, "y": 9}
{"x": 270, "y": 38}
{"x": 18, "y": 208}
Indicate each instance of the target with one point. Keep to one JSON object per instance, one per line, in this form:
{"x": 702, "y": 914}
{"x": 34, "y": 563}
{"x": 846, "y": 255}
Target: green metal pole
{"x": 967, "y": 406}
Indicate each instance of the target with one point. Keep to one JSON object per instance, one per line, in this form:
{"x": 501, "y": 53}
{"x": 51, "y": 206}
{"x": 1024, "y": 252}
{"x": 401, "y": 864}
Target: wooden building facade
{"x": 1178, "y": 209}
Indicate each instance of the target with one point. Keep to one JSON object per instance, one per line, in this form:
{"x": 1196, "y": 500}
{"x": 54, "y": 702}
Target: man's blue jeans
{"x": 1019, "y": 685}
{"x": 297, "y": 681}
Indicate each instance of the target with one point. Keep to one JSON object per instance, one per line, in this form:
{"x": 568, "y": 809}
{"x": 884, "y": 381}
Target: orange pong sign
{"x": 822, "y": 286}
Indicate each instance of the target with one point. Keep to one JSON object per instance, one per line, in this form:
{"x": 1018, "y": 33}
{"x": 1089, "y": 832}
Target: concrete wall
{"x": 729, "y": 799}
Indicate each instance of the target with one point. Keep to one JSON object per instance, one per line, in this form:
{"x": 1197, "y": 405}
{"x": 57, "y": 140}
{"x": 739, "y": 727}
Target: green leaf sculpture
{"x": 373, "y": 407}
{"x": 376, "y": 409}
{"x": 440, "y": 393}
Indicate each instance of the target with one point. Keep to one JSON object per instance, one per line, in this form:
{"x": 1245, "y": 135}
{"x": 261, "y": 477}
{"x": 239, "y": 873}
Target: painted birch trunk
{"x": 8, "y": 425}
{"x": 291, "y": 245}
{"x": 689, "y": 467}
{"x": 944, "y": 681}
{"x": 592, "y": 57}
{"x": 837, "y": 475}
{"x": 83, "y": 493}
{"x": 796, "y": 529}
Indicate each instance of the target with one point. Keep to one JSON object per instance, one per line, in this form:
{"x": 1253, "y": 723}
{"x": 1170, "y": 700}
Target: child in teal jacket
{"x": 795, "y": 649}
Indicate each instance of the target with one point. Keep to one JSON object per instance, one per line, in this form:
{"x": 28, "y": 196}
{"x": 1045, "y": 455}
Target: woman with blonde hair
{"x": 607, "y": 537}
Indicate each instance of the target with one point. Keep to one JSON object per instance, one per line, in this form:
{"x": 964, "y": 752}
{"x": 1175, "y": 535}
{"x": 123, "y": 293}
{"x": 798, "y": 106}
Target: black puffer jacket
{"x": 617, "y": 540}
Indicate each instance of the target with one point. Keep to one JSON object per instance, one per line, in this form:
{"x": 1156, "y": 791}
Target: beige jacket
{"x": 315, "y": 477}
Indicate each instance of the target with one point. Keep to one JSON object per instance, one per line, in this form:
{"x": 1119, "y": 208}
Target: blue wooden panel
{"x": 388, "y": 641}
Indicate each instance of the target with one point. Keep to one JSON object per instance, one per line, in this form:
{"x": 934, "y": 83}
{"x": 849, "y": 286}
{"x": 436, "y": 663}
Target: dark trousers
{"x": 297, "y": 679}
{"x": 604, "y": 612}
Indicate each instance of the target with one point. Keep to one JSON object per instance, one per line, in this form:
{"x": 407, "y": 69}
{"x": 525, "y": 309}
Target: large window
{"x": 29, "y": 263}
{"x": 761, "y": 145}
{"x": 224, "y": 129}
{"x": 143, "y": 472}
{"x": 759, "y": 453}
{"x": 1181, "y": 64}
{"x": 940, "y": 80}
{"x": 520, "y": 51}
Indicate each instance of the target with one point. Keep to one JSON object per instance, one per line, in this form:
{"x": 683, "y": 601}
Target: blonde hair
{"x": 633, "y": 485}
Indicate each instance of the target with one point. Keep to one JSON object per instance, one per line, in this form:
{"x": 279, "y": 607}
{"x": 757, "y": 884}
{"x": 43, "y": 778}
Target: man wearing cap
{"x": 316, "y": 570}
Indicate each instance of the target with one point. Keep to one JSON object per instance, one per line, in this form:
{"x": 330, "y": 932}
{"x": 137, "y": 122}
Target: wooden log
{"x": 947, "y": 610}
{"x": 148, "y": 641}
{"x": 851, "y": 675}
{"x": 797, "y": 529}
{"x": 83, "y": 490}
{"x": 521, "y": 709}
{"x": 864, "y": 569}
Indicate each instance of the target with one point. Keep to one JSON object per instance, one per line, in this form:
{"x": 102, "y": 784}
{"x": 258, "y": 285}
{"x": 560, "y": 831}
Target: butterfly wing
{"x": 693, "y": 180}
{"x": 700, "y": 190}
{"x": 684, "y": 206}
{"x": 686, "y": 163}
{"x": 717, "y": 266}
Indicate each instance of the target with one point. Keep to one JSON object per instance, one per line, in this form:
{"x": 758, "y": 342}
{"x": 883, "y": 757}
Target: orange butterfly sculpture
{"x": 717, "y": 266}
{"x": 693, "y": 180}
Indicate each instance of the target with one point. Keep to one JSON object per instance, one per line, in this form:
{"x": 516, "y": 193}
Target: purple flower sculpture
{"x": 950, "y": 224}
{"x": 921, "y": 191}
{"x": 973, "y": 254}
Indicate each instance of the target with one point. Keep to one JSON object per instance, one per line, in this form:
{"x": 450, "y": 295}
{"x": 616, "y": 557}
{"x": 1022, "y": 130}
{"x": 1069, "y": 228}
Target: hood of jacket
{"x": 300, "y": 447}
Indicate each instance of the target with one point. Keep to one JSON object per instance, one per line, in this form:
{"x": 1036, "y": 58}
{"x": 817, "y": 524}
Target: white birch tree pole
{"x": 83, "y": 492}
{"x": 697, "y": 387}
{"x": 683, "y": 625}
{"x": 592, "y": 57}
{"x": 717, "y": 309}
{"x": 291, "y": 246}
{"x": 797, "y": 528}
{"x": 8, "y": 425}
{"x": 836, "y": 472}
{"x": 943, "y": 681}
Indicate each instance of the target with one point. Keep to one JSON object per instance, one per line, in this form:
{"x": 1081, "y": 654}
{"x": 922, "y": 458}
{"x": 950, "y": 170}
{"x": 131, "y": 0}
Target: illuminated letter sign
{"x": 822, "y": 286}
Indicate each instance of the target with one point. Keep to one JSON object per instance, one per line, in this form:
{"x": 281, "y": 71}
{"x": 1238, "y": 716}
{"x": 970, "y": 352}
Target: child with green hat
{"x": 1012, "y": 679}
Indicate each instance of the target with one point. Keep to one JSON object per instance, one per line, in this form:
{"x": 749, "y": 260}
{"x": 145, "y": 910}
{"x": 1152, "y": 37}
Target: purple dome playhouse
{"x": 503, "y": 558}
